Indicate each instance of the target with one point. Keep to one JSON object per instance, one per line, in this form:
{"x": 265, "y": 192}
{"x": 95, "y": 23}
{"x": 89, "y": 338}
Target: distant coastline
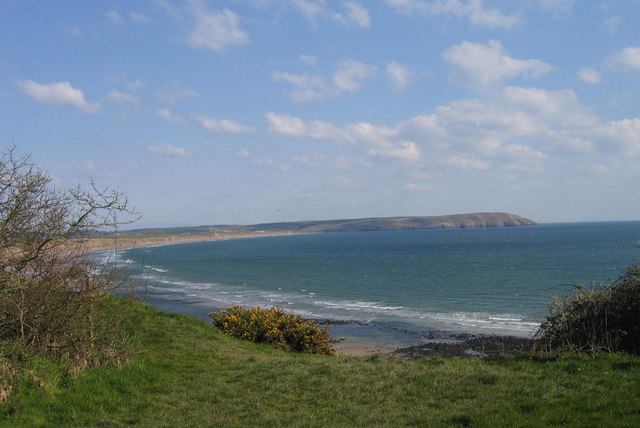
{"x": 175, "y": 235}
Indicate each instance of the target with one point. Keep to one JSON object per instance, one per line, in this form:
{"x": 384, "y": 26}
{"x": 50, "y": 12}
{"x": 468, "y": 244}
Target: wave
{"x": 302, "y": 303}
{"x": 156, "y": 269}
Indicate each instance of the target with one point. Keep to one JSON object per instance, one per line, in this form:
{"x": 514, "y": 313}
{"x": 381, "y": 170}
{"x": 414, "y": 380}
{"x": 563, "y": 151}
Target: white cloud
{"x": 558, "y": 108}
{"x": 378, "y": 141}
{"x": 409, "y": 6}
{"x": 166, "y": 115}
{"x": 570, "y": 140}
{"x": 467, "y": 161}
{"x": 524, "y": 152}
{"x": 135, "y": 85}
{"x": 282, "y": 166}
{"x": 310, "y": 9}
{"x": 515, "y": 130}
{"x": 485, "y": 66}
{"x": 306, "y": 87}
{"x": 168, "y": 150}
{"x": 399, "y": 74}
{"x": 173, "y": 92}
{"x": 589, "y": 75}
{"x": 613, "y": 23}
{"x": 243, "y": 153}
{"x": 60, "y": 93}
{"x": 524, "y": 158}
{"x": 262, "y": 162}
{"x": 348, "y": 77}
{"x": 419, "y": 187}
{"x": 629, "y": 58}
{"x": 427, "y": 129}
{"x": 122, "y": 98}
{"x": 345, "y": 163}
{"x": 289, "y": 126}
{"x": 140, "y": 18}
{"x": 485, "y": 127}
{"x": 308, "y": 59}
{"x": 342, "y": 182}
{"x": 489, "y": 18}
{"x": 114, "y": 17}
{"x": 474, "y": 10}
{"x": 382, "y": 141}
{"x": 354, "y": 14}
{"x": 169, "y": 8}
{"x": 223, "y": 125}
{"x": 349, "y": 74}
{"x": 624, "y": 134}
{"x": 216, "y": 30}
{"x": 557, "y": 5}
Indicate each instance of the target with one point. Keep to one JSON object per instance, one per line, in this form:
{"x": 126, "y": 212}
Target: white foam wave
{"x": 156, "y": 269}
{"x": 314, "y": 305}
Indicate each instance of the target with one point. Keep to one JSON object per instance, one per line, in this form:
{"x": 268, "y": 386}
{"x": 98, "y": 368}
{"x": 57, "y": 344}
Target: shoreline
{"x": 453, "y": 345}
{"x": 443, "y": 344}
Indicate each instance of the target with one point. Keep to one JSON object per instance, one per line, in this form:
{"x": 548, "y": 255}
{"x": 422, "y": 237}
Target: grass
{"x": 187, "y": 373}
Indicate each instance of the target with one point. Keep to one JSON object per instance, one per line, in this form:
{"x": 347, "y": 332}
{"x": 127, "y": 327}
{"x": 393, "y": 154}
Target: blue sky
{"x": 249, "y": 111}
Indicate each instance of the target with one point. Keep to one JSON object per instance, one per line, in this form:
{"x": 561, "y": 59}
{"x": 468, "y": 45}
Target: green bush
{"x": 604, "y": 318}
{"x": 273, "y": 326}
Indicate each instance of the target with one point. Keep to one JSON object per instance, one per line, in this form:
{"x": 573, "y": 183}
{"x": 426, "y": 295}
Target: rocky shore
{"x": 469, "y": 346}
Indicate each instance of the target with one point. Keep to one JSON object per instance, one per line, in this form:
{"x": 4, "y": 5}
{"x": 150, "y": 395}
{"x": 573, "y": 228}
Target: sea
{"x": 391, "y": 288}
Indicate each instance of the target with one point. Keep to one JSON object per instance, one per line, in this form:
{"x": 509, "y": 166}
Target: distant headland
{"x": 174, "y": 235}
{"x": 473, "y": 220}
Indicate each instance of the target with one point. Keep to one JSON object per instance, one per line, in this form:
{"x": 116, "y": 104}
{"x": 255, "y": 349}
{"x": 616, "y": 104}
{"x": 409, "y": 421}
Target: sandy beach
{"x": 126, "y": 242}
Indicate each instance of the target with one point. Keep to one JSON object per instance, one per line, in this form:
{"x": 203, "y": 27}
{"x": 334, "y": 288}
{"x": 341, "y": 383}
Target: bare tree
{"x": 48, "y": 285}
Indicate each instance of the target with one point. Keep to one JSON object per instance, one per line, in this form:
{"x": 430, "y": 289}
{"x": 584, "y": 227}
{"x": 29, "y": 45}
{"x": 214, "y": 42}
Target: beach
{"x": 454, "y": 346}
{"x": 384, "y": 290}
{"x": 128, "y": 242}
{"x": 365, "y": 345}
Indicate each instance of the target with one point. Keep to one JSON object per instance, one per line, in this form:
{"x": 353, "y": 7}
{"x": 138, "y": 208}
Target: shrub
{"x": 273, "y": 326}
{"x": 7, "y": 378}
{"x": 604, "y": 318}
{"x": 48, "y": 285}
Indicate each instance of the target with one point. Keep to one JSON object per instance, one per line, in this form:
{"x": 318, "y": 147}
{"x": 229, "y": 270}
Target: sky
{"x": 252, "y": 111}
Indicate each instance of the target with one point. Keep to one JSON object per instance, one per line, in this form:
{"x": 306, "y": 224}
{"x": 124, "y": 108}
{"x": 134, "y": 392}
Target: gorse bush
{"x": 604, "y": 318}
{"x": 273, "y": 326}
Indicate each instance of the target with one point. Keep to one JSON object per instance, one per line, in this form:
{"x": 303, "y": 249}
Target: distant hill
{"x": 474, "y": 220}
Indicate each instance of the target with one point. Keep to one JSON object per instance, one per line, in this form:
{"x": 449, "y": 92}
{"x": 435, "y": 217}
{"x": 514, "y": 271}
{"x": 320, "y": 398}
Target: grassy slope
{"x": 186, "y": 373}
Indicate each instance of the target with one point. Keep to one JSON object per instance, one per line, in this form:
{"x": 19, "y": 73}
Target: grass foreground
{"x": 185, "y": 372}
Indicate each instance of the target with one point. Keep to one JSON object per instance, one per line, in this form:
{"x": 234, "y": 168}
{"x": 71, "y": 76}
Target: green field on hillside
{"x": 187, "y": 373}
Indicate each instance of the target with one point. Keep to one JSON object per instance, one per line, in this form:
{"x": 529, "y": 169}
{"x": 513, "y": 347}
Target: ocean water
{"x": 392, "y": 287}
